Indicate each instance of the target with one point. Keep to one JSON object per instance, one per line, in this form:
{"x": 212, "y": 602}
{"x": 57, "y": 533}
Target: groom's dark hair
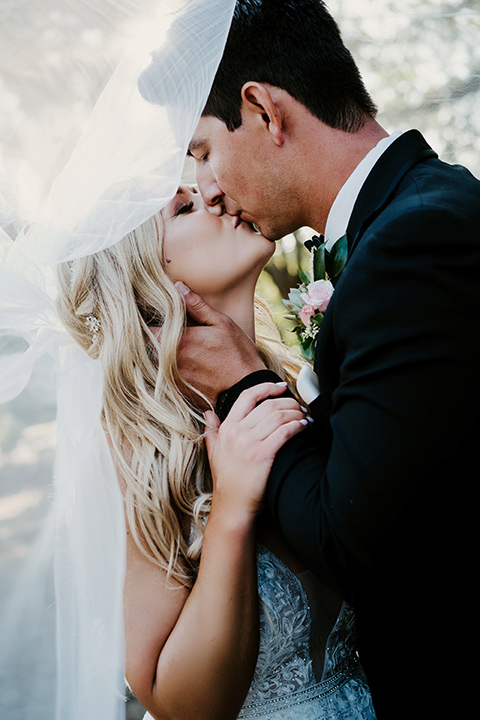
{"x": 294, "y": 45}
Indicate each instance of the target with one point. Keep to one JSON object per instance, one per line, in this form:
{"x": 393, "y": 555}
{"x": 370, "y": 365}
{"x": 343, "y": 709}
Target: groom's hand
{"x": 214, "y": 353}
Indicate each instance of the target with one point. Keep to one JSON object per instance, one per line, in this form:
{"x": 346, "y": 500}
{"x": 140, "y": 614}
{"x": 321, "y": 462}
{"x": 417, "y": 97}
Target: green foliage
{"x": 335, "y": 262}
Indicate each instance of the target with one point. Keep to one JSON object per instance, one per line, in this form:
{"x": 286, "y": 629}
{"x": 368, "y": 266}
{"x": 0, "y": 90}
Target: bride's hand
{"x": 242, "y": 449}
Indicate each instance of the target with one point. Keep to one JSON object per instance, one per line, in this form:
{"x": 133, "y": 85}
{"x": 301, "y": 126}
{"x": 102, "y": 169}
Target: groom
{"x": 377, "y": 496}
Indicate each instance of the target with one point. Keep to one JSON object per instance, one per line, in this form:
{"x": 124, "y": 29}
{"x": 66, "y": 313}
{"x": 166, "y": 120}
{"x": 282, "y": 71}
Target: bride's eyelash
{"x": 184, "y": 209}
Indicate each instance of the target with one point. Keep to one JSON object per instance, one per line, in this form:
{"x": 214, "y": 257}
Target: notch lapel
{"x": 410, "y": 149}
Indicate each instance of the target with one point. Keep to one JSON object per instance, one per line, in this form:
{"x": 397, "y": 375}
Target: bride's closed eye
{"x": 183, "y": 208}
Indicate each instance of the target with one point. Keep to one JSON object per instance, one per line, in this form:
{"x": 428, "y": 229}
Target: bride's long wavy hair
{"x": 155, "y": 432}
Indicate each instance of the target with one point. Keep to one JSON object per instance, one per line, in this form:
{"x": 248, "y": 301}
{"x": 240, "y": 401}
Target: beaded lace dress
{"x": 307, "y": 667}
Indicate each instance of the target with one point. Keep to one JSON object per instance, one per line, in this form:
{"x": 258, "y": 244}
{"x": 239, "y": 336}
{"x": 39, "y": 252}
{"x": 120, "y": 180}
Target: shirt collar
{"x": 341, "y": 210}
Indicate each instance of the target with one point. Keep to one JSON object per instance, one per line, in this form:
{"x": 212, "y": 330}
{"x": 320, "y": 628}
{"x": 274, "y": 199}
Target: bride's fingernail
{"x": 310, "y": 419}
{"x": 281, "y": 384}
{"x": 305, "y": 410}
{"x": 303, "y": 422}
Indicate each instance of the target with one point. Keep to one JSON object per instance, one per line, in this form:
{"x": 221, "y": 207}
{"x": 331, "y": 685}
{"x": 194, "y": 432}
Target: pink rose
{"x": 318, "y": 295}
{"x": 306, "y": 313}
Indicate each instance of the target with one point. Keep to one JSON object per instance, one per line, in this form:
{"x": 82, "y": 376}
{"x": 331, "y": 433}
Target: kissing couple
{"x": 294, "y": 550}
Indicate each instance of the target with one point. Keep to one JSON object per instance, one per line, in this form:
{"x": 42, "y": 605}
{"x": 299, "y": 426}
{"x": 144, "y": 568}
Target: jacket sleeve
{"x": 228, "y": 397}
{"x": 400, "y": 336}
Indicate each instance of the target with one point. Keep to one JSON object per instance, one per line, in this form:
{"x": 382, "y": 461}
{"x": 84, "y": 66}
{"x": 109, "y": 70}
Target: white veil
{"x": 114, "y": 169}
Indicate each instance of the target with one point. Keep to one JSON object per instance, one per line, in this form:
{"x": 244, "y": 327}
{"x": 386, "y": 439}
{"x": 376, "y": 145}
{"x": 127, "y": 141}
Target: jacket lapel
{"x": 410, "y": 149}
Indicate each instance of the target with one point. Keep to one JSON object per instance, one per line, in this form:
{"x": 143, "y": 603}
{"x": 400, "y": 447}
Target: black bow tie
{"x": 314, "y": 241}
{"x": 333, "y": 260}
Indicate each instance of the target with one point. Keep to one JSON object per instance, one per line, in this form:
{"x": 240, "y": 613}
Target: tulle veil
{"x": 66, "y": 192}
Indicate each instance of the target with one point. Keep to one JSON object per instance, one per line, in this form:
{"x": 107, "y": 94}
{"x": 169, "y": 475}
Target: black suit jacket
{"x": 377, "y": 496}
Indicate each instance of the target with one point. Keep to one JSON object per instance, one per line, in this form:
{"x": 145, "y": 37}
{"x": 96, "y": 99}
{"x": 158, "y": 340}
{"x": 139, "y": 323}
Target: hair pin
{"x": 93, "y": 324}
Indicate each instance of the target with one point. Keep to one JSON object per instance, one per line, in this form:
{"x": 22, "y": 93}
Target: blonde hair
{"x": 156, "y": 433}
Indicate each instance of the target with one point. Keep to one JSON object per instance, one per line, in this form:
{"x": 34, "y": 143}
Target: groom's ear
{"x": 259, "y": 104}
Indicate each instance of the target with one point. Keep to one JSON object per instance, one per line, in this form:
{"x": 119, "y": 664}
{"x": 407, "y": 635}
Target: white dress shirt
{"x": 341, "y": 210}
{"x": 337, "y": 222}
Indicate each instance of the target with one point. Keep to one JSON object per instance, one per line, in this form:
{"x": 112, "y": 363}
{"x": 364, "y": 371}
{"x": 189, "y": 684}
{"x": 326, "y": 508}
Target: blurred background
{"x": 420, "y": 61}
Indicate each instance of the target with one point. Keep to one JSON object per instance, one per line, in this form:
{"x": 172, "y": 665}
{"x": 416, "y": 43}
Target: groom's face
{"x": 240, "y": 171}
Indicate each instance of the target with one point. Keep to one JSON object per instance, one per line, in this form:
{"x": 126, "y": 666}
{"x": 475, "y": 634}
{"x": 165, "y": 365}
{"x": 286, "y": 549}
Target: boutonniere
{"x": 308, "y": 302}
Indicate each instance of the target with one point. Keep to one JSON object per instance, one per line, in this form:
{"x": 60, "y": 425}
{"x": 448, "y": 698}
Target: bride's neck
{"x": 239, "y": 306}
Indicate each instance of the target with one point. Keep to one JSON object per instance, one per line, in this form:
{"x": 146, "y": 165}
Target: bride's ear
{"x": 259, "y": 104}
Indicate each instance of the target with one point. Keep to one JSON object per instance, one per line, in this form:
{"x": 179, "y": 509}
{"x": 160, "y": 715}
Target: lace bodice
{"x": 307, "y": 667}
{"x": 307, "y": 650}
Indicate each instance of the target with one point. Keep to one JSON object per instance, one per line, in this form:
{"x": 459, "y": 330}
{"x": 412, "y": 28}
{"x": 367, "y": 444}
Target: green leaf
{"x": 319, "y": 262}
{"x": 304, "y": 277}
{"x": 295, "y": 299}
{"x": 290, "y": 307}
{"x": 337, "y": 258}
{"x": 308, "y": 348}
{"x": 317, "y": 319}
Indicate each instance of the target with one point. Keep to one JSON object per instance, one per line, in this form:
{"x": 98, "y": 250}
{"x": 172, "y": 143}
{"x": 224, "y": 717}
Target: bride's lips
{"x": 252, "y": 225}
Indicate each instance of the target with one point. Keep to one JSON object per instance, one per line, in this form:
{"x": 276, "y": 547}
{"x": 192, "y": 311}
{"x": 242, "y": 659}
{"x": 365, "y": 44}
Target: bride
{"x": 221, "y": 621}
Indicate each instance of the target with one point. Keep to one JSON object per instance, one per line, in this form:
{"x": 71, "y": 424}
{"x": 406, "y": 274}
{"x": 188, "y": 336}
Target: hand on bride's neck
{"x": 238, "y": 304}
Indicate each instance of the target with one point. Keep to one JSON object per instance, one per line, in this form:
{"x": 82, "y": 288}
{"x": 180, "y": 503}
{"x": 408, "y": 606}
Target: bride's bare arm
{"x": 192, "y": 654}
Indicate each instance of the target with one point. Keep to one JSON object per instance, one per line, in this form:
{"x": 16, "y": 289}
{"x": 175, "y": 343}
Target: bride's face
{"x": 209, "y": 253}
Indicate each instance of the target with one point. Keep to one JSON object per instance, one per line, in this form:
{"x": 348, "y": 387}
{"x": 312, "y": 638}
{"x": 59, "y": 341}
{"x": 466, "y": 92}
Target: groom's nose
{"x": 216, "y": 208}
{"x": 211, "y": 192}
